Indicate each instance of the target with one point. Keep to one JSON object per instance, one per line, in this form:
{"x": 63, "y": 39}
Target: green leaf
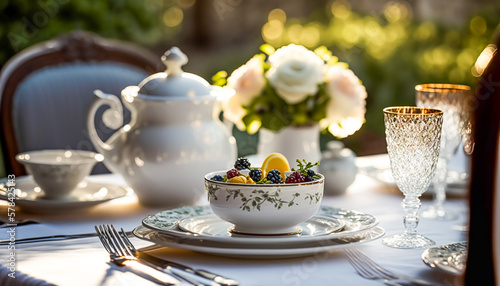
{"x": 220, "y": 82}
{"x": 267, "y": 49}
{"x": 219, "y": 76}
{"x": 260, "y": 57}
{"x": 318, "y": 112}
{"x": 252, "y": 122}
{"x": 332, "y": 61}
{"x": 323, "y": 53}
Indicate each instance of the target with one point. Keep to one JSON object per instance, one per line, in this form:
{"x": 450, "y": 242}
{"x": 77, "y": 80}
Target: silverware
{"x": 51, "y": 238}
{"x": 163, "y": 264}
{"x": 119, "y": 256}
{"x": 48, "y": 238}
{"x": 369, "y": 269}
{"x": 5, "y": 224}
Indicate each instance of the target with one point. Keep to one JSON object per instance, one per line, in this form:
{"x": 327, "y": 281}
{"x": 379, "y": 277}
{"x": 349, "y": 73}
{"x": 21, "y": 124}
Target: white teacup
{"x": 58, "y": 172}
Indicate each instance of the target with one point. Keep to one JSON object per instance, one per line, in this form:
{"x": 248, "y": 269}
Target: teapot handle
{"x": 112, "y": 117}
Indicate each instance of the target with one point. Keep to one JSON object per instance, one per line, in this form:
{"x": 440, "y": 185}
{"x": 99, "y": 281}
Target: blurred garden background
{"x": 390, "y": 45}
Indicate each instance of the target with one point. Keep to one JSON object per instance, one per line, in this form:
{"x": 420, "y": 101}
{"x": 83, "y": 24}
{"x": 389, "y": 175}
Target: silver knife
{"x": 50, "y": 238}
{"x": 198, "y": 272}
{"x": 47, "y": 238}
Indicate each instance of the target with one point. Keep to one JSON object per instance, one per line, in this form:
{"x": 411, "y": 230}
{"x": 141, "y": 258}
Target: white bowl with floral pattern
{"x": 58, "y": 172}
{"x": 264, "y": 209}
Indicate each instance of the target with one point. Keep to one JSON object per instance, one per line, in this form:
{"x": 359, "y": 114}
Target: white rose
{"x": 247, "y": 82}
{"x": 295, "y": 73}
{"x": 345, "y": 112}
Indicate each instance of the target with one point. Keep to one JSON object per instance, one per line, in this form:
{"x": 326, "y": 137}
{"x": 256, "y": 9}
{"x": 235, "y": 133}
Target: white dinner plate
{"x": 212, "y": 225}
{"x": 167, "y": 222}
{"x": 28, "y": 196}
{"x": 449, "y": 257}
{"x": 262, "y": 251}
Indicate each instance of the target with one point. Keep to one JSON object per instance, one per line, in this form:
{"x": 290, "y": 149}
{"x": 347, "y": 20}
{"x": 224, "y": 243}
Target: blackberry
{"x": 217, "y": 178}
{"x": 242, "y": 163}
{"x": 310, "y": 175}
{"x": 274, "y": 176}
{"x": 232, "y": 173}
{"x": 295, "y": 178}
{"x": 255, "y": 175}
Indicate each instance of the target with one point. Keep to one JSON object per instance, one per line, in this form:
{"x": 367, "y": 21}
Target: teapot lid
{"x": 174, "y": 82}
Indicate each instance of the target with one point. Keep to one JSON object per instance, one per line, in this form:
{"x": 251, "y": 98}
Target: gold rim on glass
{"x": 442, "y": 87}
{"x": 412, "y": 110}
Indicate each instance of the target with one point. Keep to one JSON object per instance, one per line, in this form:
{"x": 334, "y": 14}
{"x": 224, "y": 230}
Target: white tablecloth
{"x": 85, "y": 262}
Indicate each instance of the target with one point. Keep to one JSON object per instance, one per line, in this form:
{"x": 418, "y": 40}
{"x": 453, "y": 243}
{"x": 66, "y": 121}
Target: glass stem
{"x": 439, "y": 183}
{"x": 410, "y": 205}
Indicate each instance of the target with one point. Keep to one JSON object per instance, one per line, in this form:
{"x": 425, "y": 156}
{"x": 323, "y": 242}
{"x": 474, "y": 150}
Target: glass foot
{"x": 406, "y": 240}
{"x": 438, "y": 214}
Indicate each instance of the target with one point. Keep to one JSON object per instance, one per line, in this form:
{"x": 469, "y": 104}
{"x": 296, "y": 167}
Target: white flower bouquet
{"x": 294, "y": 86}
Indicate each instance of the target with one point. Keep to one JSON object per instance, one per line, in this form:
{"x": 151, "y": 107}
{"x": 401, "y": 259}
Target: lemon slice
{"x": 275, "y": 161}
{"x": 238, "y": 179}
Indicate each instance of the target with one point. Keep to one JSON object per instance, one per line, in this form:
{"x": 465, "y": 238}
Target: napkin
{"x": 17, "y": 278}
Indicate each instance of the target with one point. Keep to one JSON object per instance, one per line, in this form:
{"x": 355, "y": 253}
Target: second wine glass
{"x": 451, "y": 99}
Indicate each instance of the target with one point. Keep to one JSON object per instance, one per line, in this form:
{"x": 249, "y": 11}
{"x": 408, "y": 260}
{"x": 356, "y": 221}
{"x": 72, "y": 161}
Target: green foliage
{"x": 26, "y": 22}
{"x": 305, "y": 166}
{"x": 391, "y": 52}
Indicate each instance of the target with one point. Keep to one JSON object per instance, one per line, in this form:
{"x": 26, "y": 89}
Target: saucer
{"x": 29, "y": 196}
{"x": 449, "y": 257}
{"x": 212, "y": 225}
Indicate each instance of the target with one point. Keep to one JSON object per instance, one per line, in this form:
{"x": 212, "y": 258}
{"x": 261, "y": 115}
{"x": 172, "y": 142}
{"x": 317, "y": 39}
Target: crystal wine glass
{"x": 413, "y": 139}
{"x": 451, "y": 99}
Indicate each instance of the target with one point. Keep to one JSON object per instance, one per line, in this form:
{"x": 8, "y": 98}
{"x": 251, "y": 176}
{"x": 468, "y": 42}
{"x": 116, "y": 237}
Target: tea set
{"x": 174, "y": 138}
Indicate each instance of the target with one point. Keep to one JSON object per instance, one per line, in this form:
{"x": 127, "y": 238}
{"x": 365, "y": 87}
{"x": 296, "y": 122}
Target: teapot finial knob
{"x": 174, "y": 59}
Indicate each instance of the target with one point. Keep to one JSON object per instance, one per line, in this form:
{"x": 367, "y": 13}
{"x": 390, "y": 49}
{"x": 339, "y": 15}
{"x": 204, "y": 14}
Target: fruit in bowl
{"x": 268, "y": 200}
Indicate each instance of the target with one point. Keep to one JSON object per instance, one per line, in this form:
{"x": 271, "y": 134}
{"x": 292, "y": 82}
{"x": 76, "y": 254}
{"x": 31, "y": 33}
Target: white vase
{"x": 293, "y": 142}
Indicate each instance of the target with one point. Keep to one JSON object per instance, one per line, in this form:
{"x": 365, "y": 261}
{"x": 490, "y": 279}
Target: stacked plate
{"x": 197, "y": 228}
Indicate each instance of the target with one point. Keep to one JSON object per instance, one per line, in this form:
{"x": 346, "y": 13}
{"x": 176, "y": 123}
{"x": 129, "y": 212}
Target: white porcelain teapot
{"x": 174, "y": 136}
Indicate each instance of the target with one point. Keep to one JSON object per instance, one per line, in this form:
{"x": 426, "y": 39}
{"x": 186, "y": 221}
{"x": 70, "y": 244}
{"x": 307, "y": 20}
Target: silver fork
{"x": 162, "y": 264}
{"x": 369, "y": 269}
{"x": 111, "y": 243}
{"x": 124, "y": 246}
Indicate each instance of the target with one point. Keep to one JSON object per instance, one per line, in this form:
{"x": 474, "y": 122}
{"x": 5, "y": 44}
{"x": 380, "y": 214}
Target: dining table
{"x": 84, "y": 261}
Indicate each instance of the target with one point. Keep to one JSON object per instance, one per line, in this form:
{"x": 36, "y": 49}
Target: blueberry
{"x": 217, "y": 178}
{"x": 256, "y": 174}
{"x": 274, "y": 176}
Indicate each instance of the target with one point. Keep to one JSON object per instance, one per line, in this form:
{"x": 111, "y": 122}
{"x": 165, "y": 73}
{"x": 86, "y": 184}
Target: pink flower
{"x": 345, "y": 112}
{"x": 247, "y": 82}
